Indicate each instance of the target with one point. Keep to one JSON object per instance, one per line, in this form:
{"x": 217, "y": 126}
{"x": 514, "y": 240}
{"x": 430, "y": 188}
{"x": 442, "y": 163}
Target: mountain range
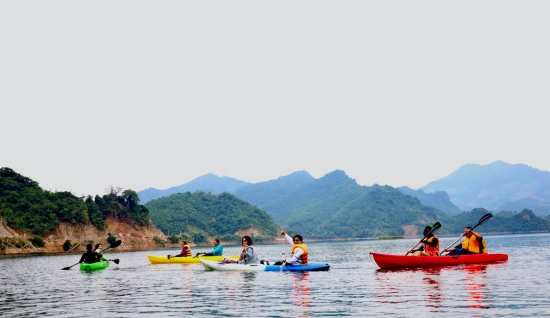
{"x": 498, "y": 186}
{"x": 335, "y": 206}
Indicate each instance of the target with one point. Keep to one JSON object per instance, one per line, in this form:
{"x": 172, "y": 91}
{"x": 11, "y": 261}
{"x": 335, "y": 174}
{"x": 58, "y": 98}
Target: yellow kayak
{"x": 163, "y": 259}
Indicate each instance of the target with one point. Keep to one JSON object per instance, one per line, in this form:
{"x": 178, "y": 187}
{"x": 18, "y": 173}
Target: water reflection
{"x": 433, "y": 290}
{"x": 301, "y": 293}
{"x": 427, "y": 281}
{"x": 354, "y": 287}
{"x": 476, "y": 291}
{"x": 187, "y": 282}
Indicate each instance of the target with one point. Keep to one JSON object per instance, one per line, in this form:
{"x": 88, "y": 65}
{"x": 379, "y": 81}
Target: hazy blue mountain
{"x": 206, "y": 183}
{"x": 265, "y": 194}
{"x": 496, "y": 186}
{"x": 439, "y": 199}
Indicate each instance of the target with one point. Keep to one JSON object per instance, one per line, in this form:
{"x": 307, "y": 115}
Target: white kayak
{"x": 213, "y": 265}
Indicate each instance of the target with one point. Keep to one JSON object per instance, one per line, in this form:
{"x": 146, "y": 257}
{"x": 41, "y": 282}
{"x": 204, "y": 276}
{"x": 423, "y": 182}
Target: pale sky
{"x": 139, "y": 94}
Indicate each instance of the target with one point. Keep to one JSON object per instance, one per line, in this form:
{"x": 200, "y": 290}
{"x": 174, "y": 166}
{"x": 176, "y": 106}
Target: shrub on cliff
{"x": 67, "y": 245}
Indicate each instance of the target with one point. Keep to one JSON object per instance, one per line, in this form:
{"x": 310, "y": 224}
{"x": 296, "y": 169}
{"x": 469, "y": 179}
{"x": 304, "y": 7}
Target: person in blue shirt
{"x": 217, "y": 251}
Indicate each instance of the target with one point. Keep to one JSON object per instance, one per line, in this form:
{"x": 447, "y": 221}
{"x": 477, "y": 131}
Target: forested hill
{"x": 200, "y": 215}
{"x": 335, "y": 206}
{"x": 377, "y": 211}
{"x": 503, "y": 222}
{"x": 206, "y": 183}
{"x": 29, "y": 208}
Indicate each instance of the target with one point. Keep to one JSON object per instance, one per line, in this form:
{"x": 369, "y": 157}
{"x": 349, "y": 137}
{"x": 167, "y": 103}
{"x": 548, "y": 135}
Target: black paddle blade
{"x": 435, "y": 227}
{"x": 484, "y": 218}
{"x": 116, "y": 261}
{"x": 115, "y": 244}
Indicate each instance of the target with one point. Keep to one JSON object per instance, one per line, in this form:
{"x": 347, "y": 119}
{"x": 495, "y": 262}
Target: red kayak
{"x": 387, "y": 261}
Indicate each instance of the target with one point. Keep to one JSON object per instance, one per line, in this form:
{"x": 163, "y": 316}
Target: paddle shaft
{"x": 69, "y": 267}
{"x": 284, "y": 262}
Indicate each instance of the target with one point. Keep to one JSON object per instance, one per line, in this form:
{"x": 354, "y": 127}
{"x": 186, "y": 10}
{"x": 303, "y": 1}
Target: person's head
{"x": 98, "y": 245}
{"x": 89, "y": 247}
{"x": 216, "y": 242}
{"x": 183, "y": 243}
{"x": 468, "y": 231}
{"x": 248, "y": 240}
{"x": 427, "y": 230}
{"x": 297, "y": 239}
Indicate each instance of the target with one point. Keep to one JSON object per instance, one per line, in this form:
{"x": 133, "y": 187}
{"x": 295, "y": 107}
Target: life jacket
{"x": 472, "y": 244}
{"x": 432, "y": 250}
{"x": 188, "y": 252}
{"x": 303, "y": 258}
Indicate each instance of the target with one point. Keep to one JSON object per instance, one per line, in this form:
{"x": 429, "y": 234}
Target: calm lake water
{"x": 354, "y": 286}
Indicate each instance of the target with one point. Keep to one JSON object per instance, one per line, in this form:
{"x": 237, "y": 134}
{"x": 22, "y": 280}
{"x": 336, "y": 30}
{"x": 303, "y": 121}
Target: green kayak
{"x": 94, "y": 266}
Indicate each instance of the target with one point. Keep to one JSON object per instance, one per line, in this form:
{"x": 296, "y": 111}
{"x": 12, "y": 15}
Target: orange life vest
{"x": 471, "y": 244}
{"x": 432, "y": 250}
{"x": 303, "y": 258}
{"x": 188, "y": 252}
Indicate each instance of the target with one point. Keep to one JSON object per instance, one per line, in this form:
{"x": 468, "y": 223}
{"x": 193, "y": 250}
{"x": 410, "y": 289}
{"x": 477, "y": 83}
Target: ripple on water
{"x": 354, "y": 286}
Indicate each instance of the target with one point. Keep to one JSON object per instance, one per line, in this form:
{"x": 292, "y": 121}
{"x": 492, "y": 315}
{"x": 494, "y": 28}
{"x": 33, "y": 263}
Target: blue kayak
{"x": 213, "y": 265}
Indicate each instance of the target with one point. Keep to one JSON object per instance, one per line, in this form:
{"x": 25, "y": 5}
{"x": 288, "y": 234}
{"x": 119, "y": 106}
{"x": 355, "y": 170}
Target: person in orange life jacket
{"x": 470, "y": 245}
{"x": 299, "y": 250}
{"x": 185, "y": 251}
{"x": 430, "y": 245}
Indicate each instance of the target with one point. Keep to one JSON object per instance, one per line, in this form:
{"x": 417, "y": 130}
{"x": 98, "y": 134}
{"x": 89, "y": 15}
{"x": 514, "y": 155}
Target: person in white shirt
{"x": 299, "y": 250}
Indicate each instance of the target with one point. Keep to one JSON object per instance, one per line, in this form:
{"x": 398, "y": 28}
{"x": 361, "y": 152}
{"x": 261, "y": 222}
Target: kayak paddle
{"x": 481, "y": 221}
{"x": 116, "y": 260}
{"x": 115, "y": 244}
{"x": 69, "y": 267}
{"x": 435, "y": 227}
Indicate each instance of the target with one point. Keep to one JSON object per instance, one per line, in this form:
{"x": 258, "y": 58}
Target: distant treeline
{"x": 29, "y": 208}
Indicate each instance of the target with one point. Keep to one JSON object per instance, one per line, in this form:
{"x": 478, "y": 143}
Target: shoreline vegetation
{"x": 28, "y": 249}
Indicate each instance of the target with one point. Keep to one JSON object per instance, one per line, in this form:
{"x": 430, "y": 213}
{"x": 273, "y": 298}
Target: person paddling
{"x": 185, "y": 251}
{"x": 473, "y": 244}
{"x": 430, "y": 244}
{"x": 90, "y": 256}
{"x": 217, "y": 251}
{"x": 299, "y": 250}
